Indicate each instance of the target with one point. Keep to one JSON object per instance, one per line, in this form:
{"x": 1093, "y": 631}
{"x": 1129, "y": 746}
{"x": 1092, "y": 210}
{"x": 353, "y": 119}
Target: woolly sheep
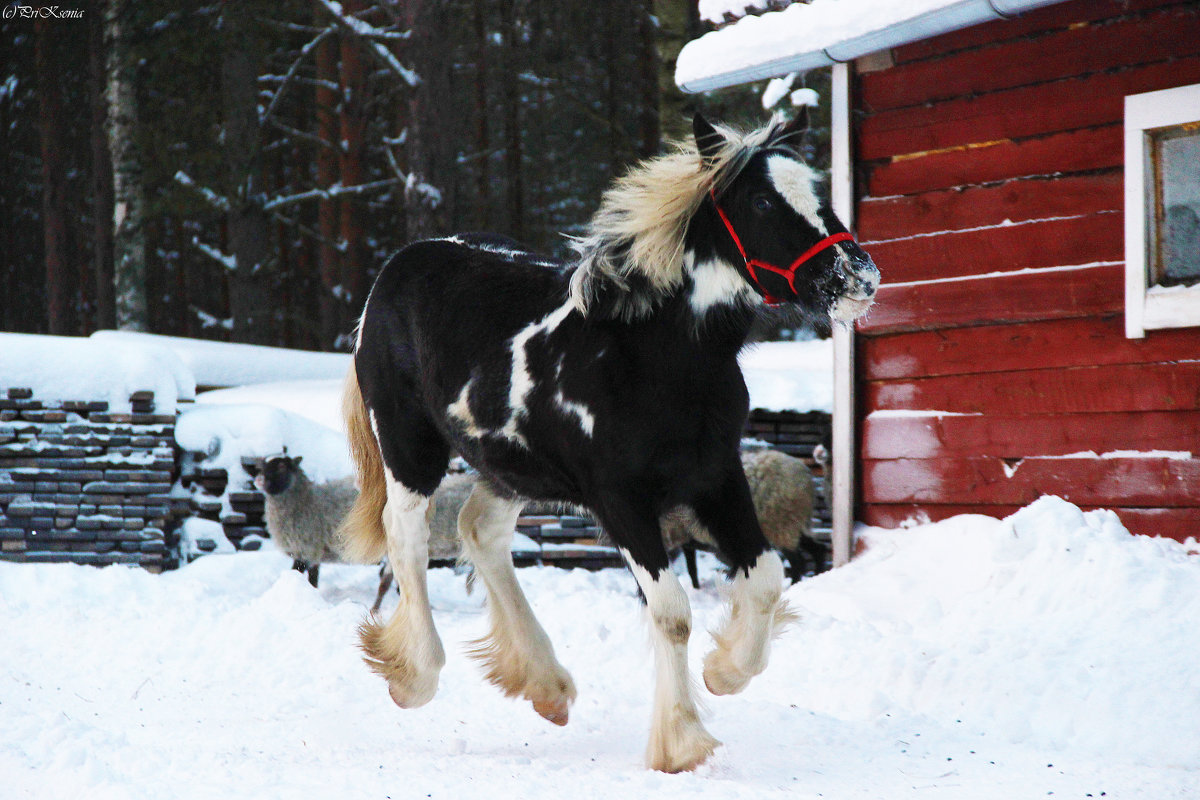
{"x": 303, "y": 517}
{"x": 825, "y": 460}
{"x": 782, "y": 489}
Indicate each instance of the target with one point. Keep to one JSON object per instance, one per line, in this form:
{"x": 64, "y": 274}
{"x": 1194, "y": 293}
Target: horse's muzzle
{"x": 860, "y": 278}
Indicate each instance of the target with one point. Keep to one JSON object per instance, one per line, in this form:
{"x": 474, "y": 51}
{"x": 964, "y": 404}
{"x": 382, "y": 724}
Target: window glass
{"x": 1176, "y": 251}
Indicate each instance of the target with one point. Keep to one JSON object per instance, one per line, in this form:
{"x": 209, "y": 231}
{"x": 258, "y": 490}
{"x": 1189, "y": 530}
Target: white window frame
{"x": 1146, "y": 309}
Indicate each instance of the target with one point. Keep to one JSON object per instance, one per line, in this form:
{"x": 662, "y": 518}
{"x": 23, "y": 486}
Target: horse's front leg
{"x": 757, "y": 611}
{"x": 678, "y": 739}
{"x": 516, "y": 652}
{"x": 406, "y": 651}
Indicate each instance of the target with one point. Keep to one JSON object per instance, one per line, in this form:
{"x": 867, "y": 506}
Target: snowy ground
{"x": 1048, "y": 655}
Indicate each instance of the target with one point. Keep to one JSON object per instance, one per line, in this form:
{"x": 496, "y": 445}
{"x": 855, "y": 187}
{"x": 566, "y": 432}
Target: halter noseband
{"x": 754, "y": 264}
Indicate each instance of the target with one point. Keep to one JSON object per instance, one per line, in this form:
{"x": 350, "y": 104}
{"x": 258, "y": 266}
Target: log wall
{"x": 994, "y": 368}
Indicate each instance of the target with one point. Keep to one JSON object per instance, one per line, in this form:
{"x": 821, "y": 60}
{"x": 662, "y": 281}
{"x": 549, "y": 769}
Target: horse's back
{"x": 463, "y": 282}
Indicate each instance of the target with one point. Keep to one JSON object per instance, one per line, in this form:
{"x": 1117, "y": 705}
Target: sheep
{"x": 302, "y": 516}
{"x": 782, "y": 489}
{"x": 825, "y": 460}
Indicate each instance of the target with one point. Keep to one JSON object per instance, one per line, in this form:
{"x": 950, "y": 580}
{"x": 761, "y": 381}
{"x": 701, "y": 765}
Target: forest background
{"x": 240, "y": 170}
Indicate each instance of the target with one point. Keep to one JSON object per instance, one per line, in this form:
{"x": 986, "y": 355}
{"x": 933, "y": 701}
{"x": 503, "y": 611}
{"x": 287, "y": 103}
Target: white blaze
{"x": 794, "y": 181}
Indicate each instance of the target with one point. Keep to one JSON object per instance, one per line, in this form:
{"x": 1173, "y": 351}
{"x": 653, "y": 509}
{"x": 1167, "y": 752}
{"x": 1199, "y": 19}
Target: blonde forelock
{"x": 637, "y": 235}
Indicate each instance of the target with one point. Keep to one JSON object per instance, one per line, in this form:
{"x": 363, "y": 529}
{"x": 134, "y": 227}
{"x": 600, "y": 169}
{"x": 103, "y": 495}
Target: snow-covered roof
{"x": 817, "y": 34}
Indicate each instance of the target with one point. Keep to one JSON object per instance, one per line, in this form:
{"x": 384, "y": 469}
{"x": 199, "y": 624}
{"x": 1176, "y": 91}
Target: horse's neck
{"x": 677, "y": 332}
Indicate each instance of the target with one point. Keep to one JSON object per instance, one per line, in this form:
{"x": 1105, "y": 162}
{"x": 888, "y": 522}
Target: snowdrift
{"x": 1049, "y": 653}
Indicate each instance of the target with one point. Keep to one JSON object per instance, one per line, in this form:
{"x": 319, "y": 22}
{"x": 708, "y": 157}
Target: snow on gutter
{"x": 824, "y": 32}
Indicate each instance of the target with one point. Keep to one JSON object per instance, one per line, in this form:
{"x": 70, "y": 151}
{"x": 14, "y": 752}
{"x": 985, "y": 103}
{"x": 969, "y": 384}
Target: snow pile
{"x": 226, "y": 364}
{"x": 789, "y": 376}
{"x": 198, "y": 537}
{"x": 1053, "y": 627}
{"x": 68, "y": 368}
{"x": 317, "y": 400}
{"x": 228, "y": 433}
{"x": 777, "y": 89}
{"x": 1048, "y": 654}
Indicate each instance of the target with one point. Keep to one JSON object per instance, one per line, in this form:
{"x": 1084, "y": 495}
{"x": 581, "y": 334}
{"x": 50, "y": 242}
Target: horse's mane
{"x": 632, "y": 254}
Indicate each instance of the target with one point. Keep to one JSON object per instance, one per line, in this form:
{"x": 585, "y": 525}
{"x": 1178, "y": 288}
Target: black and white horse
{"x": 609, "y": 383}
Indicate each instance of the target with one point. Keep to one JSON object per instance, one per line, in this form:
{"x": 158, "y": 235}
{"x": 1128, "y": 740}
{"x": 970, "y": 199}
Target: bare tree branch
{"x": 287, "y": 77}
{"x": 217, "y": 201}
{"x": 327, "y": 194}
{"x": 225, "y": 260}
{"x": 304, "y": 135}
{"x": 368, "y": 33}
{"x": 340, "y": 246}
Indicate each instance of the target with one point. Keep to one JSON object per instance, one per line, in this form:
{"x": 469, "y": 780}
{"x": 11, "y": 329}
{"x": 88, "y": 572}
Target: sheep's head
{"x": 276, "y": 473}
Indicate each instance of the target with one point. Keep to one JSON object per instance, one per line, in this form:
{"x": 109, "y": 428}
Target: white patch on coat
{"x": 794, "y": 181}
{"x": 521, "y": 383}
{"x": 586, "y": 420}
{"x": 460, "y": 410}
{"x": 715, "y": 282}
{"x": 665, "y": 598}
{"x": 374, "y": 427}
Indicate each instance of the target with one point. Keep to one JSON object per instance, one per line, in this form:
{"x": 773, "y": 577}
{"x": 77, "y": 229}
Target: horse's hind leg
{"x": 516, "y": 652}
{"x": 406, "y": 650}
{"x": 385, "y": 583}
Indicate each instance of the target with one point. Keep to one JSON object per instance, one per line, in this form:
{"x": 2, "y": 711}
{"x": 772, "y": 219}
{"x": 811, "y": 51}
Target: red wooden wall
{"x": 990, "y": 195}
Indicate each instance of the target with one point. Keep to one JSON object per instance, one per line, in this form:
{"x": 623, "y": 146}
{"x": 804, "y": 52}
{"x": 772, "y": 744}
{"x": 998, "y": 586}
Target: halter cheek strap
{"x": 753, "y": 265}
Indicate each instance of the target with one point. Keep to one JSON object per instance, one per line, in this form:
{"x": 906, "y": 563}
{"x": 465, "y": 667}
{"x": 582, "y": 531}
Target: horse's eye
{"x": 762, "y": 203}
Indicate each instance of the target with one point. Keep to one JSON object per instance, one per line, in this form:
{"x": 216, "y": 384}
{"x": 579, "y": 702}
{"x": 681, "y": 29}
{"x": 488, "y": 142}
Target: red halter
{"x": 754, "y": 264}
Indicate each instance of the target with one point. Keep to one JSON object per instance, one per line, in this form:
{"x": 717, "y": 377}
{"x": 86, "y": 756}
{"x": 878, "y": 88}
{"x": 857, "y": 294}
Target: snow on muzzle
{"x": 859, "y": 277}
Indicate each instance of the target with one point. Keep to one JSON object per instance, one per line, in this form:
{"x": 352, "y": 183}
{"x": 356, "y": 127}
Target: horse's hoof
{"x": 721, "y": 677}
{"x": 410, "y": 696}
{"x": 684, "y": 756}
{"x": 557, "y": 711}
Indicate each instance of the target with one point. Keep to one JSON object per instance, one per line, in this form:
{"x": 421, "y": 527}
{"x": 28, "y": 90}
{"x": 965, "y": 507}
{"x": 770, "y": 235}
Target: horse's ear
{"x": 708, "y": 140}
{"x": 791, "y": 132}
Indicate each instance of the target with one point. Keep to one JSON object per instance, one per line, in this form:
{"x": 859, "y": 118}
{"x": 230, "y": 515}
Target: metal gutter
{"x": 840, "y": 45}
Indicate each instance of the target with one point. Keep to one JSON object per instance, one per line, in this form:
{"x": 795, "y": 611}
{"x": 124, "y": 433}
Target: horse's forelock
{"x": 642, "y": 221}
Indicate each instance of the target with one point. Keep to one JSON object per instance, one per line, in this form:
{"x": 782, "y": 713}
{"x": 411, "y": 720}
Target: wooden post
{"x": 844, "y": 444}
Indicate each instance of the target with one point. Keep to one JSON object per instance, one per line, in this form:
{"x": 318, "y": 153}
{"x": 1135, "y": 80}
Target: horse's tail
{"x": 361, "y": 534}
